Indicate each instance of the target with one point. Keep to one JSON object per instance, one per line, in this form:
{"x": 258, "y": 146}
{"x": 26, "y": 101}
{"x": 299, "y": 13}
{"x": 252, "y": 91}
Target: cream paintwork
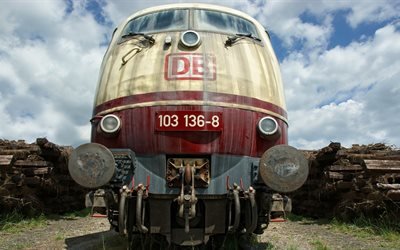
{"x": 246, "y": 68}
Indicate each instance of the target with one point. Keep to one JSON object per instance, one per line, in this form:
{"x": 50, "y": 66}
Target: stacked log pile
{"x": 362, "y": 180}
{"x": 34, "y": 178}
{"x": 346, "y": 183}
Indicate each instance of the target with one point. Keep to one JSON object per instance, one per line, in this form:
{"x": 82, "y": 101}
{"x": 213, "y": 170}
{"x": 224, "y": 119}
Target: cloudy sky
{"x": 340, "y": 62}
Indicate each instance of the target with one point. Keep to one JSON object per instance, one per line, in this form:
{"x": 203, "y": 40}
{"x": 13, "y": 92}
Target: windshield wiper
{"x": 232, "y": 39}
{"x": 147, "y": 37}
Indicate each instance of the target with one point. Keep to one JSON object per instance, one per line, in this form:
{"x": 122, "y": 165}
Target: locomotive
{"x": 189, "y": 127}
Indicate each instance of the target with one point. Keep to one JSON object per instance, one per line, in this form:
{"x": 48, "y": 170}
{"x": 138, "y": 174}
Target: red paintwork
{"x": 189, "y": 95}
{"x": 238, "y": 137}
{"x": 188, "y": 121}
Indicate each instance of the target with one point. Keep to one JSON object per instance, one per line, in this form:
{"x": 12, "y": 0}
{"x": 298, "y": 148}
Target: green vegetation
{"x": 318, "y": 245}
{"x": 363, "y": 227}
{"x": 295, "y": 217}
{"x": 292, "y": 247}
{"x": 384, "y": 228}
{"x": 60, "y": 236}
{"x": 15, "y": 222}
{"x": 78, "y": 214}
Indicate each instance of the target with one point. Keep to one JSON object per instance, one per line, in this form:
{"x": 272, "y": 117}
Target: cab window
{"x": 158, "y": 21}
{"x": 222, "y": 22}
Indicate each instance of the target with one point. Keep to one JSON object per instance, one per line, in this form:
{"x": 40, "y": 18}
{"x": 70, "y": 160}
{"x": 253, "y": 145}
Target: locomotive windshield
{"x": 158, "y": 21}
{"x": 178, "y": 20}
{"x": 222, "y": 22}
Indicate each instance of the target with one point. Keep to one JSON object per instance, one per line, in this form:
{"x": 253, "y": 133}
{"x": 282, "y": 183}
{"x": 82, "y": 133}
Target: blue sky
{"x": 339, "y": 62}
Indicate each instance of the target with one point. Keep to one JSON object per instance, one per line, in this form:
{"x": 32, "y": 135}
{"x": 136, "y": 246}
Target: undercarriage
{"x": 182, "y": 201}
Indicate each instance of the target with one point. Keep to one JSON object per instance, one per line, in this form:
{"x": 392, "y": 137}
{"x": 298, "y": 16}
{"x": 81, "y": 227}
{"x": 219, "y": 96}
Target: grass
{"x": 77, "y": 214}
{"x": 292, "y": 247}
{"x": 295, "y": 217}
{"x": 365, "y": 227}
{"x": 318, "y": 245}
{"x": 385, "y": 228}
{"x": 15, "y": 222}
{"x": 362, "y": 227}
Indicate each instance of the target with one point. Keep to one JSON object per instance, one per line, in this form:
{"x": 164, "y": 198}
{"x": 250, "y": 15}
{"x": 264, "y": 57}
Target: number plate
{"x": 188, "y": 121}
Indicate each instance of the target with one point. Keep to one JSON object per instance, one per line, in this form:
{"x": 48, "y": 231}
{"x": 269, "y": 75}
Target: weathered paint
{"x": 239, "y": 135}
{"x": 137, "y": 80}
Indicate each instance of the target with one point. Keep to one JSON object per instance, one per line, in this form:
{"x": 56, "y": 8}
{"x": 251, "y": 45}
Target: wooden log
{"x": 387, "y": 186}
{"x": 4, "y": 192}
{"x": 23, "y": 164}
{"x": 385, "y": 166}
{"x": 340, "y": 176}
{"x": 18, "y": 179}
{"x": 36, "y": 171}
{"x": 33, "y": 181}
{"x": 338, "y": 168}
{"x": 14, "y": 152}
{"x": 393, "y": 195}
{"x": 5, "y": 160}
{"x": 335, "y": 176}
{"x": 9, "y": 185}
{"x": 382, "y": 156}
{"x": 344, "y": 185}
{"x": 49, "y": 149}
{"x": 375, "y": 196}
{"x": 12, "y": 171}
{"x": 31, "y": 148}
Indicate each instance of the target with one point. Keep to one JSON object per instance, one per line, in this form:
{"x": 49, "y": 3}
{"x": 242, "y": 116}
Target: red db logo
{"x": 190, "y": 66}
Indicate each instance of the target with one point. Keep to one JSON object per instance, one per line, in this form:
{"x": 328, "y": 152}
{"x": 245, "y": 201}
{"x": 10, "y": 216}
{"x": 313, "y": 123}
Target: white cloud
{"x": 49, "y": 67}
{"x": 351, "y": 90}
{"x": 373, "y": 11}
{"x": 314, "y": 128}
{"x": 50, "y": 54}
{"x": 284, "y": 19}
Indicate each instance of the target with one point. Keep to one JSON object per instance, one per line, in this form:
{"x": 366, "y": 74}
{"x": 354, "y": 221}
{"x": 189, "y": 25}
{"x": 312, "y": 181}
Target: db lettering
{"x": 190, "y": 66}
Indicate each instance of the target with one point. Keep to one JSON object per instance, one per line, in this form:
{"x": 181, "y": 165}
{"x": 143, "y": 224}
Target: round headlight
{"x": 190, "y": 38}
{"x": 91, "y": 165}
{"x": 110, "y": 124}
{"x": 267, "y": 126}
{"x": 283, "y": 168}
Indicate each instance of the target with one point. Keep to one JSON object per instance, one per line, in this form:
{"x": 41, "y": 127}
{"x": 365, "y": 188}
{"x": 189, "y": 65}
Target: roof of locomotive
{"x": 214, "y": 7}
{"x": 191, "y": 6}
{"x": 114, "y": 83}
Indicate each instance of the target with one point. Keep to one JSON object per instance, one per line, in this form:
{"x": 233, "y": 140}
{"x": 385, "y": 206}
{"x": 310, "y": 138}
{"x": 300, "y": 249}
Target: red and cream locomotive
{"x": 189, "y": 127}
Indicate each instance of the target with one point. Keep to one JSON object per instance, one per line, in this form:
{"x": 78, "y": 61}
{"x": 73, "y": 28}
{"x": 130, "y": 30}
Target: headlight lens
{"x": 268, "y": 126}
{"x": 190, "y": 38}
{"x": 110, "y": 124}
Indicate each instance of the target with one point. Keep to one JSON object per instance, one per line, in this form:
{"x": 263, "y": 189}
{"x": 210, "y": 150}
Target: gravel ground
{"x": 94, "y": 233}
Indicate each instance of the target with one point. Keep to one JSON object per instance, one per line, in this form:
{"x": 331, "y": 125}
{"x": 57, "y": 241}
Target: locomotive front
{"x": 189, "y": 128}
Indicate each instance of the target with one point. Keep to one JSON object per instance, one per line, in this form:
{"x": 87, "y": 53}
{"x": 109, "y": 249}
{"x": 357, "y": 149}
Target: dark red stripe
{"x": 190, "y": 95}
{"x": 238, "y": 135}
